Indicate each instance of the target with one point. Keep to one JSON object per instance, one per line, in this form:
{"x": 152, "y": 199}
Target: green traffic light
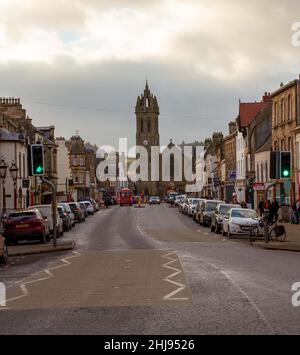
{"x": 286, "y": 173}
{"x": 39, "y": 169}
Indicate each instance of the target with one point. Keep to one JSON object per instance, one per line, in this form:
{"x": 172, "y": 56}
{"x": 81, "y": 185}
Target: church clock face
{"x": 145, "y": 142}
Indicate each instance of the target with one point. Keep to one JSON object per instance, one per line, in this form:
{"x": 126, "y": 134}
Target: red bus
{"x": 125, "y": 197}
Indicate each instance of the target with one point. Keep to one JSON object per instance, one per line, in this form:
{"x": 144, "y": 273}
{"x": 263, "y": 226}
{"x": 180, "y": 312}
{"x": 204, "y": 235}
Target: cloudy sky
{"x": 80, "y": 64}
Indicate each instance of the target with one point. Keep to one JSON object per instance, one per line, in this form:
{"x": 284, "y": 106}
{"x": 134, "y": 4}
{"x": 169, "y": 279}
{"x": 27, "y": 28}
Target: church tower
{"x": 147, "y": 131}
{"x": 147, "y": 112}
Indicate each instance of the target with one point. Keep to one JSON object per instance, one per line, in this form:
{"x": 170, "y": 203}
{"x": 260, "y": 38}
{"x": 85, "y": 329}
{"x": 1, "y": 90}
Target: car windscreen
{"x": 211, "y": 206}
{"x": 243, "y": 214}
{"x": 225, "y": 209}
{"x": 88, "y": 204}
{"x": 22, "y": 215}
{"x": 194, "y": 202}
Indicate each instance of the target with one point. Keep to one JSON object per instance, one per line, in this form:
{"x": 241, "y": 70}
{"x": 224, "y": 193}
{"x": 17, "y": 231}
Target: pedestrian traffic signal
{"x": 37, "y": 159}
{"x": 285, "y": 165}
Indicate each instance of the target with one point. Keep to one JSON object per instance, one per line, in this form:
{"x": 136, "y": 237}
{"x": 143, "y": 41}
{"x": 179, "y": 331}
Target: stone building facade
{"x": 285, "y": 117}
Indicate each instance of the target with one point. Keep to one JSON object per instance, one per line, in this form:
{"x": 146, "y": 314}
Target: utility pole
{"x": 54, "y": 208}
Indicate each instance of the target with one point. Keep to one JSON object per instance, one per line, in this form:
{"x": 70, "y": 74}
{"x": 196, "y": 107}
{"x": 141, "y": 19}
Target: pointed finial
{"x": 146, "y": 88}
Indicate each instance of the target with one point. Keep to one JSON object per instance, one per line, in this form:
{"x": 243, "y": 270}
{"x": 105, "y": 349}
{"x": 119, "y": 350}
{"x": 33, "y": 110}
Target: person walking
{"x": 261, "y": 207}
{"x": 275, "y": 209}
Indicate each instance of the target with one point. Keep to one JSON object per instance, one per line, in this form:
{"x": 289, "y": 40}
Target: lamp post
{"x": 3, "y": 169}
{"x": 14, "y": 174}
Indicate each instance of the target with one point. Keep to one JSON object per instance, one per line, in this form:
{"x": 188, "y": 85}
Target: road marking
{"x": 48, "y": 272}
{"x": 176, "y": 272}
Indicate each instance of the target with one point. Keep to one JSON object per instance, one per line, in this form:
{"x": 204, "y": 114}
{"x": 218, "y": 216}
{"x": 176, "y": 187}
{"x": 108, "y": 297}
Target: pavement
{"x": 30, "y": 249}
{"x": 151, "y": 271}
{"x": 292, "y": 242}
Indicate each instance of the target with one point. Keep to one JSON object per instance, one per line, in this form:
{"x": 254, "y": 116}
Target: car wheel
{"x": 43, "y": 238}
{"x": 4, "y": 257}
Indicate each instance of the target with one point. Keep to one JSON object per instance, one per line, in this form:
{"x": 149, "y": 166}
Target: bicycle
{"x": 270, "y": 232}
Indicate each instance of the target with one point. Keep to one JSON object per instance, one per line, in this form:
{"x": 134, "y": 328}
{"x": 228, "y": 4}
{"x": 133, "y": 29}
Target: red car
{"x": 26, "y": 225}
{"x": 3, "y": 251}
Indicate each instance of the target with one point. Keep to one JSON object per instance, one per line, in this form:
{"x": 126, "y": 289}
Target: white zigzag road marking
{"x": 48, "y": 272}
{"x": 181, "y": 287}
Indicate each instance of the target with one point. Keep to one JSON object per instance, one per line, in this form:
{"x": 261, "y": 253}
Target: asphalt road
{"x": 151, "y": 271}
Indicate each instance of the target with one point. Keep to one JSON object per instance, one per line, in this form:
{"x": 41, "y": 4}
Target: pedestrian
{"x": 261, "y": 207}
{"x": 275, "y": 209}
{"x": 244, "y": 204}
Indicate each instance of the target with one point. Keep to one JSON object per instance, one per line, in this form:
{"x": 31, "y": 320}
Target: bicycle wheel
{"x": 272, "y": 235}
{"x": 253, "y": 234}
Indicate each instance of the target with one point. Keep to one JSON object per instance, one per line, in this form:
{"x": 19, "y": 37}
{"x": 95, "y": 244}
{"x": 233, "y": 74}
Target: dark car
{"x": 67, "y": 224}
{"x": 78, "y": 213}
{"x": 206, "y": 211}
{"x": 26, "y": 225}
{"x": 3, "y": 251}
{"x": 217, "y": 218}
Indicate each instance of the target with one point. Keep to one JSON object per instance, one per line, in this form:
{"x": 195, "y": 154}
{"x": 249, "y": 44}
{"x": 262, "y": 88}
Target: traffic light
{"x": 285, "y": 165}
{"x": 37, "y": 159}
{"x": 274, "y": 164}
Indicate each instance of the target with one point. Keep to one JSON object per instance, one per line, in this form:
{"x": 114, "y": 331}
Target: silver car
{"x": 239, "y": 222}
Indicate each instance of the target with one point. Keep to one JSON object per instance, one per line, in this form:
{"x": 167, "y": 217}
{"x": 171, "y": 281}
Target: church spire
{"x": 146, "y": 87}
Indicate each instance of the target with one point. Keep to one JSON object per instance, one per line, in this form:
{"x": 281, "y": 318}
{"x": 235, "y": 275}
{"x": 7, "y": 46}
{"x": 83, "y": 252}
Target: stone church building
{"x": 147, "y": 135}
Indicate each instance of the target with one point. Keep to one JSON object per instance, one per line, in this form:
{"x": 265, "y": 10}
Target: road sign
{"x": 259, "y": 187}
{"x": 232, "y": 175}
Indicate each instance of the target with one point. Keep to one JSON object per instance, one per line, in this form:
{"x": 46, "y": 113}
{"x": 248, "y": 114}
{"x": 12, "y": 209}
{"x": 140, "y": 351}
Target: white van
{"x": 46, "y": 211}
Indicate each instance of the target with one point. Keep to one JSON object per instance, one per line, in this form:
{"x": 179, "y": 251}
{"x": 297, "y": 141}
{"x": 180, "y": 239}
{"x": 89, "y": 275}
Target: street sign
{"x": 25, "y": 183}
{"x": 232, "y": 175}
{"x": 259, "y": 187}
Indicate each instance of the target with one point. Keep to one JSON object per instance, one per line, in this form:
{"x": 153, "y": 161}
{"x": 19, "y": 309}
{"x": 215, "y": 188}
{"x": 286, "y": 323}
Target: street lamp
{"x": 14, "y": 174}
{"x": 3, "y": 169}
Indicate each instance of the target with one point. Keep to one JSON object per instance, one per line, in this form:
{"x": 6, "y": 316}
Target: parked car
{"x": 78, "y": 212}
{"x": 185, "y": 205}
{"x": 26, "y": 225}
{"x": 239, "y": 222}
{"x": 206, "y": 211}
{"x": 3, "y": 250}
{"x": 197, "y": 209}
{"x": 65, "y": 218}
{"x": 89, "y": 207}
{"x": 69, "y": 212}
{"x": 217, "y": 218}
{"x": 154, "y": 200}
{"x": 84, "y": 210}
{"x": 191, "y": 209}
{"x": 181, "y": 205}
{"x": 178, "y": 199}
{"x": 46, "y": 211}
